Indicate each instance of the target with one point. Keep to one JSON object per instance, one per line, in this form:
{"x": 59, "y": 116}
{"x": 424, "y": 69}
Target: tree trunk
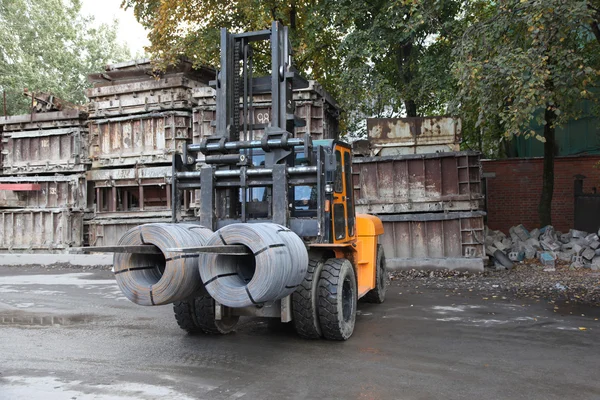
{"x": 545, "y": 206}
{"x": 403, "y": 55}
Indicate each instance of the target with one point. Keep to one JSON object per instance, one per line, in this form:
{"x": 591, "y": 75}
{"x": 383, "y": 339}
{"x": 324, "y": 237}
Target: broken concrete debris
{"x": 578, "y": 248}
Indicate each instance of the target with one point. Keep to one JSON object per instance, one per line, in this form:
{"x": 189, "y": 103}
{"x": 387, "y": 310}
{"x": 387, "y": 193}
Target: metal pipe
{"x": 251, "y": 144}
{"x": 249, "y": 172}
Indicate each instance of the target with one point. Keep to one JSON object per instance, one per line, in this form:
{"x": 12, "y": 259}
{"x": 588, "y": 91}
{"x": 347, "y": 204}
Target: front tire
{"x": 305, "y": 302}
{"x": 337, "y": 295}
{"x": 185, "y": 316}
{"x": 204, "y": 307}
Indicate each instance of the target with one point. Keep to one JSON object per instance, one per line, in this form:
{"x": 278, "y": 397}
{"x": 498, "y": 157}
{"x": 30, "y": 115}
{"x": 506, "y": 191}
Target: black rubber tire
{"x": 338, "y": 297}
{"x": 382, "y": 279}
{"x": 204, "y": 309}
{"x": 305, "y": 302}
{"x": 185, "y": 316}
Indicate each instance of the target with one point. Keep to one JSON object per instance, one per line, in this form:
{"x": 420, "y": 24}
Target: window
{"x": 338, "y": 172}
{"x": 349, "y": 193}
{"x": 339, "y": 221}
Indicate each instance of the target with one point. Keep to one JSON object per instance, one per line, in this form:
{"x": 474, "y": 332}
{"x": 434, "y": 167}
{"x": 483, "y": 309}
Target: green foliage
{"x": 518, "y": 58}
{"x": 373, "y": 57}
{"x": 396, "y": 55}
{"x": 47, "y": 45}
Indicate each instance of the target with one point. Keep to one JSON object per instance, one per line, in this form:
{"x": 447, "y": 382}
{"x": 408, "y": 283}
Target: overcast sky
{"x": 130, "y": 31}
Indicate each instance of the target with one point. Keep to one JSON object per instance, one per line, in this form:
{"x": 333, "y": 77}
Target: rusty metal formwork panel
{"x": 53, "y": 142}
{"x": 434, "y": 240}
{"x": 139, "y": 139}
{"x": 313, "y": 104}
{"x": 393, "y": 136}
{"x": 123, "y": 193}
{"x": 29, "y": 230}
{"x": 135, "y": 87}
{"x": 107, "y": 232}
{"x": 417, "y": 183}
{"x": 59, "y": 191}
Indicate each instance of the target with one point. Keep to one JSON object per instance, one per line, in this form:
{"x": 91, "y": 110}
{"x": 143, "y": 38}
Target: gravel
{"x": 526, "y": 280}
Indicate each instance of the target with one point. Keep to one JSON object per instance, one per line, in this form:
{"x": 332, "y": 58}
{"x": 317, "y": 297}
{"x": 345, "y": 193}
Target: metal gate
{"x": 587, "y": 207}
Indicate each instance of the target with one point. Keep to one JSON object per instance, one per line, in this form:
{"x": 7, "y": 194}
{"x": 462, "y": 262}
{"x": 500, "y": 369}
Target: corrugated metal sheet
{"x": 139, "y": 139}
{"x": 393, "y": 136}
{"x": 434, "y": 240}
{"x": 417, "y": 183}
{"x": 40, "y": 230}
{"x": 61, "y": 191}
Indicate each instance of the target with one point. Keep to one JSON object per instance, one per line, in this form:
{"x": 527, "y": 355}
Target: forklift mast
{"x": 258, "y": 171}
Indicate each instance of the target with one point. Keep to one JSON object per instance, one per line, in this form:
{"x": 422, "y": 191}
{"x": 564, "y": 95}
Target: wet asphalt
{"x": 69, "y": 334}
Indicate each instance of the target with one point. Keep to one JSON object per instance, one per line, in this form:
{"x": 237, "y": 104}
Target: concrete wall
{"x": 514, "y": 187}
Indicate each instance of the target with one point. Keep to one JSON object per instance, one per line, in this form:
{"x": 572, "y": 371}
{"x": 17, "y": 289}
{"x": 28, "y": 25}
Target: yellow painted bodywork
{"x": 362, "y": 251}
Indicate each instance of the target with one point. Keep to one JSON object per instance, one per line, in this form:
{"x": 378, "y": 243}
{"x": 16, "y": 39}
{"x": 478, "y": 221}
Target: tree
{"x": 397, "y": 54}
{"x": 192, "y": 28}
{"x": 47, "y": 45}
{"x": 521, "y": 60}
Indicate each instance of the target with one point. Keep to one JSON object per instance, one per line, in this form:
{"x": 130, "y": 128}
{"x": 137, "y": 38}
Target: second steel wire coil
{"x": 155, "y": 279}
{"x": 276, "y": 266}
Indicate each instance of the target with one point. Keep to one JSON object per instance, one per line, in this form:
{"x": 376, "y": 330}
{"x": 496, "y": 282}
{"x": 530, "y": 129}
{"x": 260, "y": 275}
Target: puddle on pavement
{"x": 30, "y": 319}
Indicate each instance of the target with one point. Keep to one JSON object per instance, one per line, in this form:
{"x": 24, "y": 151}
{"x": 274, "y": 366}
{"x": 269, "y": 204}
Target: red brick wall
{"x": 513, "y": 194}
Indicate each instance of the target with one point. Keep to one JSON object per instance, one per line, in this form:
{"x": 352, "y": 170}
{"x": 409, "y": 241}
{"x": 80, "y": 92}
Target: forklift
{"x": 276, "y": 233}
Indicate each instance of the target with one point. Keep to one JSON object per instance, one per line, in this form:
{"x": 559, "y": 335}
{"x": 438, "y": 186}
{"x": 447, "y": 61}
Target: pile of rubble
{"x": 577, "y": 248}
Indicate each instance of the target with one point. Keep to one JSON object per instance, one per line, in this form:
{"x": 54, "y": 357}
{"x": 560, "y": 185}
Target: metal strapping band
{"x": 219, "y": 276}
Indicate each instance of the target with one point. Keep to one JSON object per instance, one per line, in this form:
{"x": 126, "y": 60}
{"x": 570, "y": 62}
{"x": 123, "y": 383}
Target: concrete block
{"x": 588, "y": 254}
{"x": 521, "y": 232}
{"x": 577, "y": 262}
{"x": 533, "y": 243}
{"x": 595, "y": 245}
{"x": 577, "y": 234}
{"x": 517, "y": 256}
{"x": 490, "y": 250}
{"x": 592, "y": 237}
{"x": 513, "y": 235}
{"x": 550, "y": 245}
{"x": 547, "y": 259}
{"x": 596, "y": 264}
{"x": 581, "y": 241}
{"x": 597, "y": 252}
{"x": 564, "y": 256}
{"x": 529, "y": 252}
{"x": 577, "y": 249}
{"x": 500, "y": 246}
{"x": 507, "y": 242}
{"x": 535, "y": 233}
{"x": 566, "y": 246}
{"x": 565, "y": 238}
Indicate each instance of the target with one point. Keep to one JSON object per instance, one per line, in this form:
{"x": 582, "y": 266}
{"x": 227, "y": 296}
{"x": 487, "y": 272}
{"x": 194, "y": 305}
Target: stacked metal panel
{"x": 138, "y": 121}
{"x": 429, "y": 202}
{"x": 317, "y": 109}
{"x": 43, "y": 193}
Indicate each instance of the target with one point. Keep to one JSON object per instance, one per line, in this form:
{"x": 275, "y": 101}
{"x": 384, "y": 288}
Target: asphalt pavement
{"x": 70, "y": 334}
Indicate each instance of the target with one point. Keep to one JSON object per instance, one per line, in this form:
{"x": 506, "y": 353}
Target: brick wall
{"x": 513, "y": 194}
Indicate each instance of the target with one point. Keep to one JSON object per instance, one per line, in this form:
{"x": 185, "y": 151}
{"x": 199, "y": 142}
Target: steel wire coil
{"x": 156, "y": 279}
{"x": 271, "y": 272}
{"x": 299, "y": 258}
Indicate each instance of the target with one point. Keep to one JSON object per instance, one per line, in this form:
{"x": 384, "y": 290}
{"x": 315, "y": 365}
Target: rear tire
{"x": 185, "y": 316}
{"x": 377, "y": 294}
{"x": 305, "y": 302}
{"x": 204, "y": 310}
{"x": 337, "y": 299}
